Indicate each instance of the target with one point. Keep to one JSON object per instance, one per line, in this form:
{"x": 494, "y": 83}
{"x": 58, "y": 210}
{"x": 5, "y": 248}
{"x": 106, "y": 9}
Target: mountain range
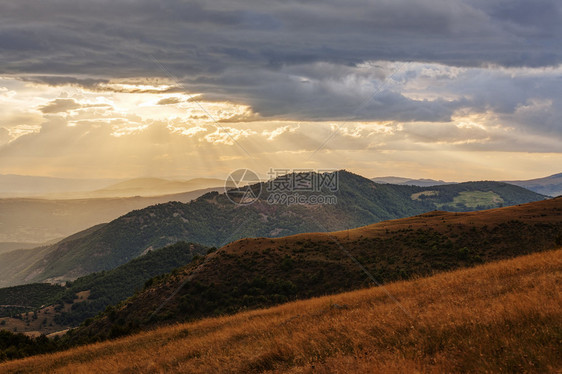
{"x": 260, "y": 272}
{"x": 156, "y": 187}
{"x": 213, "y": 220}
{"x": 12, "y": 185}
{"x": 549, "y": 186}
{"x": 422, "y": 182}
{"x": 32, "y": 220}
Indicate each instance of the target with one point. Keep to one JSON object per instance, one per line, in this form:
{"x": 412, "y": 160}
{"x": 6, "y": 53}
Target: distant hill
{"x": 12, "y": 185}
{"x": 260, "y": 272}
{"x": 550, "y": 186}
{"x": 12, "y": 246}
{"x": 213, "y": 220}
{"x": 156, "y": 187}
{"x": 410, "y": 182}
{"x": 40, "y": 220}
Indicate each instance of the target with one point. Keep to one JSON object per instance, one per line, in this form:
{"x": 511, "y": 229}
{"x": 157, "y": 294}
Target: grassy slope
{"x": 499, "y": 317}
{"x": 261, "y": 272}
{"x": 213, "y": 220}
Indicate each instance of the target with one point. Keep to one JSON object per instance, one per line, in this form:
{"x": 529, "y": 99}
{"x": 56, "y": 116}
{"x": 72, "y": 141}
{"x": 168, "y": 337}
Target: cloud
{"x": 279, "y": 76}
{"x": 202, "y": 38}
{"x": 169, "y": 100}
{"x": 65, "y": 105}
{"x": 291, "y": 60}
{"x": 60, "y": 105}
{"x": 5, "y": 136}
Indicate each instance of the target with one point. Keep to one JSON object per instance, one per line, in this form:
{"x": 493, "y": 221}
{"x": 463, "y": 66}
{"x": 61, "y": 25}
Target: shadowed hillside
{"x": 62, "y": 307}
{"x": 500, "y": 317}
{"x": 252, "y": 273}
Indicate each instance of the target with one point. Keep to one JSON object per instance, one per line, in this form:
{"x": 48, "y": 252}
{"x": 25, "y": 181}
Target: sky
{"x": 445, "y": 89}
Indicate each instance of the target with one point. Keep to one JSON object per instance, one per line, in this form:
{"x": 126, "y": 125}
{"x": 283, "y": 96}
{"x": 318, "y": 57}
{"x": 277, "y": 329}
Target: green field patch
{"x": 473, "y": 199}
{"x": 421, "y": 195}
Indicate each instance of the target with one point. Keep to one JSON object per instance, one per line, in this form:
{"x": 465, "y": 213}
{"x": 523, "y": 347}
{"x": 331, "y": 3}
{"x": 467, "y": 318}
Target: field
{"x": 473, "y": 199}
{"x": 42, "y": 321}
{"x": 499, "y": 317}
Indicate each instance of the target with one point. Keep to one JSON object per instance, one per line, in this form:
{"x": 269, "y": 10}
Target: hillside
{"x": 102, "y": 289}
{"x": 213, "y": 220}
{"x": 499, "y": 317}
{"x": 40, "y": 220}
{"x": 252, "y": 273}
{"x": 27, "y": 298}
{"x": 12, "y": 246}
{"x": 550, "y": 186}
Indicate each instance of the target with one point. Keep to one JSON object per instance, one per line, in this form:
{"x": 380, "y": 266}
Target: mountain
{"x": 410, "y": 182}
{"x": 213, "y": 220}
{"x": 156, "y": 187}
{"x": 58, "y": 307}
{"x": 40, "y": 220}
{"x": 12, "y": 246}
{"x": 550, "y": 186}
{"x": 260, "y": 272}
{"x": 12, "y": 185}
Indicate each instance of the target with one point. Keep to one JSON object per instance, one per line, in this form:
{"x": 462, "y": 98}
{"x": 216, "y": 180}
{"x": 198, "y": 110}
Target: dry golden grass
{"x": 500, "y": 317}
{"x": 538, "y": 212}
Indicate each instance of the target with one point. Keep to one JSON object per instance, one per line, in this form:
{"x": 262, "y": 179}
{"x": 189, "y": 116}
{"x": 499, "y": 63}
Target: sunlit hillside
{"x": 499, "y": 317}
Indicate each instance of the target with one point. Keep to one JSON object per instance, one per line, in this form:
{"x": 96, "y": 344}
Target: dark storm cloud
{"x": 115, "y": 38}
{"x": 285, "y": 58}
